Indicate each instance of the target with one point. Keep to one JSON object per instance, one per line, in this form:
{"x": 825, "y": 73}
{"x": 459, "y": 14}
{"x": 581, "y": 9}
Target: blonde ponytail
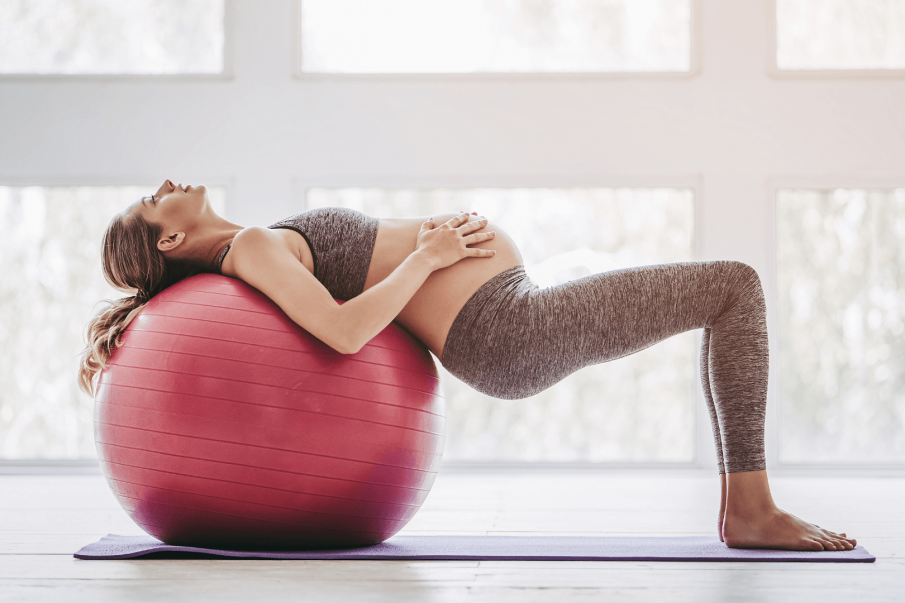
{"x": 131, "y": 263}
{"x": 103, "y": 335}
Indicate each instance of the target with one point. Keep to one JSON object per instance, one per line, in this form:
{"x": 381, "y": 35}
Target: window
{"x": 470, "y": 36}
{"x": 840, "y": 34}
{"x": 841, "y": 285}
{"x": 145, "y": 37}
{"x": 52, "y": 281}
{"x": 618, "y": 411}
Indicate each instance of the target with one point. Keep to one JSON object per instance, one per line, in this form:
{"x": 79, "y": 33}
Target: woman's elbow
{"x": 345, "y": 346}
{"x": 346, "y": 349}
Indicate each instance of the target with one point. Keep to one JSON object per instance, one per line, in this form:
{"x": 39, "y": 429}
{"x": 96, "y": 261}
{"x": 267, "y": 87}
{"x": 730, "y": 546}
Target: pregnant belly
{"x": 432, "y": 310}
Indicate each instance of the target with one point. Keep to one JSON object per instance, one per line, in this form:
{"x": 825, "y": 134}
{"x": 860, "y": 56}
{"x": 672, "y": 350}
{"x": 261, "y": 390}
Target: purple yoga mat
{"x": 497, "y": 548}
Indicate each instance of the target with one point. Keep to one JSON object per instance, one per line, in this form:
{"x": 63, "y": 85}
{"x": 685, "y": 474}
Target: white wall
{"x": 730, "y": 130}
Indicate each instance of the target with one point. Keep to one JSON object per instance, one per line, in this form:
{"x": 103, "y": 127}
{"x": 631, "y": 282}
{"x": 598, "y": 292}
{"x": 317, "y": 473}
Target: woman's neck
{"x": 212, "y": 240}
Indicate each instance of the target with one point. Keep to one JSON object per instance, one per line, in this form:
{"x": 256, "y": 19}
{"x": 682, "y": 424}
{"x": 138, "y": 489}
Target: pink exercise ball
{"x": 222, "y": 423}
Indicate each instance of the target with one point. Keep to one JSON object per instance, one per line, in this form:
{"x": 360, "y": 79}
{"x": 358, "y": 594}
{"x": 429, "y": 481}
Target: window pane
{"x": 111, "y": 36}
{"x": 52, "y": 281}
{"x": 842, "y": 315}
{"x": 623, "y": 410}
{"x": 467, "y": 36}
{"x": 840, "y": 34}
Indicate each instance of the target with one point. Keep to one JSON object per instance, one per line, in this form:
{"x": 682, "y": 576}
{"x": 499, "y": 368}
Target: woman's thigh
{"x": 513, "y": 339}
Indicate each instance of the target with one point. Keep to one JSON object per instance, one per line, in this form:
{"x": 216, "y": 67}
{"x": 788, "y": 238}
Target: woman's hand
{"x": 448, "y": 243}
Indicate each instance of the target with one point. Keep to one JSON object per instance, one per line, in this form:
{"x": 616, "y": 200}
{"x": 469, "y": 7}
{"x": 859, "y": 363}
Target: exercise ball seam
{"x": 236, "y": 284}
{"x": 339, "y": 479}
{"x": 145, "y": 312}
{"x": 283, "y": 408}
{"x": 327, "y": 456}
{"x": 111, "y": 385}
{"x": 160, "y": 370}
{"x": 224, "y": 481}
{"x": 329, "y": 352}
{"x": 348, "y": 357}
{"x": 377, "y": 402}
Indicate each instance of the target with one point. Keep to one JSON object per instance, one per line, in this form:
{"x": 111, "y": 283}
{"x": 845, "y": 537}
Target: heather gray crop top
{"x": 341, "y": 241}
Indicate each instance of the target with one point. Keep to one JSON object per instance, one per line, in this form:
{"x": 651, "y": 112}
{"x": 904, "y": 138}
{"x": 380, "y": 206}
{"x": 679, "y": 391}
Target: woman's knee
{"x": 745, "y": 275}
{"x": 747, "y": 286}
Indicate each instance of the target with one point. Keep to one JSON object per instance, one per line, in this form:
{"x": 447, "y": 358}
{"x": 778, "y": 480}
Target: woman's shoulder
{"x": 254, "y": 237}
{"x": 255, "y": 244}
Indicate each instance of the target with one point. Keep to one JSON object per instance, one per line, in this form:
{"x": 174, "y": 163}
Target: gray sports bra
{"x": 341, "y": 241}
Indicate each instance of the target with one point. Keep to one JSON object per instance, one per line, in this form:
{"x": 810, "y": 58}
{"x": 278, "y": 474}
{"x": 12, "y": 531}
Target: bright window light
{"x": 147, "y": 37}
{"x": 50, "y": 239}
{"x": 841, "y": 309}
{"x": 503, "y": 36}
{"x": 840, "y": 34}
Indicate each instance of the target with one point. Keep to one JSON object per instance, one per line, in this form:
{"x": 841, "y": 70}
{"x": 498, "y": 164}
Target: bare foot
{"x": 777, "y": 529}
{"x": 753, "y": 521}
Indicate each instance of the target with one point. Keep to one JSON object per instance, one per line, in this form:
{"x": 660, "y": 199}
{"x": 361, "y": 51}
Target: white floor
{"x": 44, "y": 519}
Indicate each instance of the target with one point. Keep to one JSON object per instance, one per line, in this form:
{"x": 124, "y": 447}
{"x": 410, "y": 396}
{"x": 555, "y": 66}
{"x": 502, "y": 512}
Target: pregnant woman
{"x": 457, "y": 282}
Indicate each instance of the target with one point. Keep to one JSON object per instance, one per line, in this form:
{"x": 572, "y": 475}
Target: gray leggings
{"x": 513, "y": 339}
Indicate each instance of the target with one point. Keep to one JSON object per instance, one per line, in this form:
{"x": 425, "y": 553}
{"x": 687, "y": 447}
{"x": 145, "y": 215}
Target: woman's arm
{"x": 262, "y": 261}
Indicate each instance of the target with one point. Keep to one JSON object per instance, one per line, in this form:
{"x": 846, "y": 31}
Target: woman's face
{"x": 175, "y": 208}
{"x": 173, "y": 203}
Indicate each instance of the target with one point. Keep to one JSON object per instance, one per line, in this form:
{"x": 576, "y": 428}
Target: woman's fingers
{"x": 457, "y": 220}
{"x": 473, "y": 226}
{"x": 478, "y": 237}
{"x": 474, "y": 252}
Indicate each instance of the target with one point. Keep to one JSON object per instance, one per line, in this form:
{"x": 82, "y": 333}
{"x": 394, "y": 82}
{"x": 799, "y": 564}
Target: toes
{"x": 827, "y": 544}
{"x": 842, "y": 540}
{"x": 842, "y": 545}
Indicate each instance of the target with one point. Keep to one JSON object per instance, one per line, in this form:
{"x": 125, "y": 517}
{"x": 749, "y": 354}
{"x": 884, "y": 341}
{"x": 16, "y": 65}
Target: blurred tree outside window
{"x": 50, "y": 239}
{"x": 138, "y": 37}
{"x": 840, "y": 34}
{"x": 841, "y": 290}
{"x": 635, "y": 409}
{"x": 501, "y": 36}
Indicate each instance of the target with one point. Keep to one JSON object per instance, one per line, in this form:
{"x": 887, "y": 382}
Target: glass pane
{"x": 840, "y": 34}
{"x": 111, "y": 36}
{"x": 467, "y": 36}
{"x": 52, "y": 281}
{"x": 619, "y": 411}
{"x": 842, "y": 315}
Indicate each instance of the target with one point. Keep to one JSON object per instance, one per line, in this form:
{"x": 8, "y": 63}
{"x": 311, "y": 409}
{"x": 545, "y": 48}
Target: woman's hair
{"x": 131, "y": 263}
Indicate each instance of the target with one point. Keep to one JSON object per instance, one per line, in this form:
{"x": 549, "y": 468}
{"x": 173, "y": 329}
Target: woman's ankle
{"x": 748, "y": 493}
